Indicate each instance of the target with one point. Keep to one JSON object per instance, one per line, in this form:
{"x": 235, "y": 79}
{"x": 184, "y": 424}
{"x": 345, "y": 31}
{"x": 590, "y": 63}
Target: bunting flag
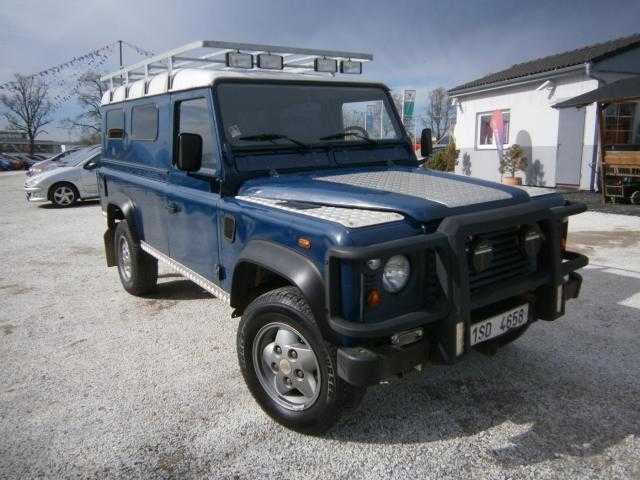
{"x": 64, "y": 80}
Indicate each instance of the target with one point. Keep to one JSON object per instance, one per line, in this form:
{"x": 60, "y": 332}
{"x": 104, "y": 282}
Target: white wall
{"x": 532, "y": 121}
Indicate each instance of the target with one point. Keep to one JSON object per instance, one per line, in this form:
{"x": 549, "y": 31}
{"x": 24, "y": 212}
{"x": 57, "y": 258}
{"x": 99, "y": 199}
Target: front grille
{"x": 509, "y": 261}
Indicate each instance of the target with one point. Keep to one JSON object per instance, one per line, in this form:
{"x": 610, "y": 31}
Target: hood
{"x": 424, "y": 195}
{"x": 48, "y": 174}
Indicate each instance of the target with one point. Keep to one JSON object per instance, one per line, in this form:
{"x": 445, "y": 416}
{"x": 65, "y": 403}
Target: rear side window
{"x": 194, "y": 117}
{"x": 115, "y": 124}
{"x": 144, "y": 122}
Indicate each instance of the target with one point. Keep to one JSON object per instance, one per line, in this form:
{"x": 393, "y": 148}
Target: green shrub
{"x": 444, "y": 160}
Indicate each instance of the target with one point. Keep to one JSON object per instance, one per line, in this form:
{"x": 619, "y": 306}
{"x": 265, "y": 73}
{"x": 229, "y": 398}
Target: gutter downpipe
{"x": 588, "y": 70}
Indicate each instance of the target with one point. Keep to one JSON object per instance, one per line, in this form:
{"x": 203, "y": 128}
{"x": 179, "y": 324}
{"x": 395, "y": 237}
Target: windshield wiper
{"x": 338, "y": 135}
{"x": 272, "y": 137}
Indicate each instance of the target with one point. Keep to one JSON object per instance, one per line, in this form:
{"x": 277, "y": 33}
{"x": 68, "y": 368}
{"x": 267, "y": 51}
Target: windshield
{"x": 78, "y": 156}
{"x": 301, "y": 116}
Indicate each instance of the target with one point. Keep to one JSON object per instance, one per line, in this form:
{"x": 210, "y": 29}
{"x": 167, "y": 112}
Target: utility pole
{"x": 120, "y": 45}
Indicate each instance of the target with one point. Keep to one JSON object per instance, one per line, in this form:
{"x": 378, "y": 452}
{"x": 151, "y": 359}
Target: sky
{"x": 419, "y": 44}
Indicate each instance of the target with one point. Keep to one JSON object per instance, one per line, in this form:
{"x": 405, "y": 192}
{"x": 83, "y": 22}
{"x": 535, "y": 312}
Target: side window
{"x": 144, "y": 122}
{"x": 194, "y": 117}
{"x": 115, "y": 124}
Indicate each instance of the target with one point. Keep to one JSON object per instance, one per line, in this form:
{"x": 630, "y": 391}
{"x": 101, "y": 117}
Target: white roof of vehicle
{"x": 200, "y": 64}
{"x": 187, "y": 79}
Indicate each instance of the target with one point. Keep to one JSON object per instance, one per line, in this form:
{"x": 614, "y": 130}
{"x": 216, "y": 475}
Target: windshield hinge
{"x": 390, "y": 163}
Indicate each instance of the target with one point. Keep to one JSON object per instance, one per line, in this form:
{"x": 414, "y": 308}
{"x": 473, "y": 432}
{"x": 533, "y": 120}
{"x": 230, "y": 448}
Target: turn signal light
{"x": 564, "y": 233}
{"x": 373, "y": 297}
{"x": 304, "y": 243}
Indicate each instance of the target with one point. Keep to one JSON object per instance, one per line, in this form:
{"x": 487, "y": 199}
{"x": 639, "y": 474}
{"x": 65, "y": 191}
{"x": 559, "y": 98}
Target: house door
{"x": 570, "y": 138}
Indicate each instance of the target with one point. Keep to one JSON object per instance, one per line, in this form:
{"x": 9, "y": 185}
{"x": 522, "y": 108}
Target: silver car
{"x": 75, "y": 179}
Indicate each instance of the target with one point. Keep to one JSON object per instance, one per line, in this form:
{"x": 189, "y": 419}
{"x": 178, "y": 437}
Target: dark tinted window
{"x": 115, "y": 124}
{"x": 194, "y": 117}
{"x": 144, "y": 122}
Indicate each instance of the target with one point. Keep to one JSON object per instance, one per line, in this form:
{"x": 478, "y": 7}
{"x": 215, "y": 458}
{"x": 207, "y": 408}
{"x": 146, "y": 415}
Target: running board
{"x": 187, "y": 273}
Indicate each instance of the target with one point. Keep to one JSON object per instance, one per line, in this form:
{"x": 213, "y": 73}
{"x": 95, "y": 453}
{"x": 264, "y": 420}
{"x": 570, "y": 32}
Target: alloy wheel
{"x": 286, "y": 366}
{"x": 64, "y": 196}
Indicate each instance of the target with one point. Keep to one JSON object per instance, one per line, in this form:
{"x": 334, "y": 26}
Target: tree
{"x": 440, "y": 113}
{"x": 27, "y": 107}
{"x": 90, "y": 91}
{"x": 513, "y": 160}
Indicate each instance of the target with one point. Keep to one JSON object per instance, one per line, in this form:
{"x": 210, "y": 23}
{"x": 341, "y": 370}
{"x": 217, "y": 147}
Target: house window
{"x": 485, "y": 129}
{"x": 618, "y": 123}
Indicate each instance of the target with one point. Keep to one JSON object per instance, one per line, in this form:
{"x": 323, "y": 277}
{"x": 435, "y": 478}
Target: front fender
{"x": 297, "y": 269}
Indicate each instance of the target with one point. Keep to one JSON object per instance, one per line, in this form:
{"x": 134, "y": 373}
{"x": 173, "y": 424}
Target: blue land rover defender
{"x": 271, "y": 179}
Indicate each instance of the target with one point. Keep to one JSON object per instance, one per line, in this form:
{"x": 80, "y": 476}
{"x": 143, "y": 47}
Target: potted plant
{"x": 512, "y": 160}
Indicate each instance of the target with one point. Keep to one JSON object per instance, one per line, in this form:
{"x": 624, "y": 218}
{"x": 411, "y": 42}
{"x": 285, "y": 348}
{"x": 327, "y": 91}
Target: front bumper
{"x": 35, "y": 194}
{"x": 547, "y": 289}
{"x": 363, "y": 366}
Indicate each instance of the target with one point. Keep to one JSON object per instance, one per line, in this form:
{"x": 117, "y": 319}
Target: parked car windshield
{"x": 75, "y": 158}
{"x": 281, "y": 115}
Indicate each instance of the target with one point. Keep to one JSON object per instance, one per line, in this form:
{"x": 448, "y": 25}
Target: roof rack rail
{"x": 212, "y": 54}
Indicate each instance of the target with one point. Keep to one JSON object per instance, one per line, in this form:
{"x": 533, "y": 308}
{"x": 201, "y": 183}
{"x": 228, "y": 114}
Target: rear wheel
{"x": 289, "y": 368}
{"x": 137, "y": 269}
{"x": 64, "y": 194}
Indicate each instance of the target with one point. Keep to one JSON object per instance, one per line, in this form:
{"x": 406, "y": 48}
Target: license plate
{"x": 496, "y": 326}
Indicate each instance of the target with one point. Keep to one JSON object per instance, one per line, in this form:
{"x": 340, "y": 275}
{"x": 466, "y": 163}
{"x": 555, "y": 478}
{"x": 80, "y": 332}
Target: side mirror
{"x": 426, "y": 146}
{"x": 90, "y": 165}
{"x": 189, "y": 152}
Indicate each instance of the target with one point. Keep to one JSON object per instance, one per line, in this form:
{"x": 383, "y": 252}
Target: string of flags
{"x": 63, "y": 80}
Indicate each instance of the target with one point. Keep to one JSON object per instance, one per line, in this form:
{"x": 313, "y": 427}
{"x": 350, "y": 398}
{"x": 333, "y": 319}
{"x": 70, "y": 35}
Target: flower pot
{"x": 512, "y": 180}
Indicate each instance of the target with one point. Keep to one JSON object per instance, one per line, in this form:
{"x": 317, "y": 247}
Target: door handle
{"x": 172, "y": 207}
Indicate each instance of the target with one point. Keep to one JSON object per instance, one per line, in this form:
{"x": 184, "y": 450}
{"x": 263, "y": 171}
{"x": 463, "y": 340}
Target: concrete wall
{"x": 533, "y": 125}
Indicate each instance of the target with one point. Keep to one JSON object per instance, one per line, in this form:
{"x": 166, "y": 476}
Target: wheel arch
{"x": 288, "y": 266}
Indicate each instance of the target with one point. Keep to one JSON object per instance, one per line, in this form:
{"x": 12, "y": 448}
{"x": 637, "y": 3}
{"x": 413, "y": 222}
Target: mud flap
{"x": 109, "y": 250}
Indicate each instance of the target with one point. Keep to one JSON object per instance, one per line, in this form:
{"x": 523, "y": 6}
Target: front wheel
{"x": 289, "y": 368}
{"x": 64, "y": 195}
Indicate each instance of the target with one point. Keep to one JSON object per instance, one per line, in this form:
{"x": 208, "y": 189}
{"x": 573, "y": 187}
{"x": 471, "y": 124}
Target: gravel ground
{"x": 97, "y": 383}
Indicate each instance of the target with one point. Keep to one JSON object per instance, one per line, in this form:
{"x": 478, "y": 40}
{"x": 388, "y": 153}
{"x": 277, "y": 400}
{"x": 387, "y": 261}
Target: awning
{"x": 625, "y": 89}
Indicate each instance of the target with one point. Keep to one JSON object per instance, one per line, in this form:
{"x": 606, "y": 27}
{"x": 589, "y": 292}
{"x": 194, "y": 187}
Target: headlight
{"x": 396, "y": 273}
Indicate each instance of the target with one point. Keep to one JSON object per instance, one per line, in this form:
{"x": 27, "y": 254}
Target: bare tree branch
{"x": 89, "y": 122}
{"x": 26, "y": 107}
{"x": 440, "y": 113}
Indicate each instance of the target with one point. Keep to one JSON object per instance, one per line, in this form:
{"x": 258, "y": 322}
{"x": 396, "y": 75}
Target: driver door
{"x": 88, "y": 183}
{"x": 193, "y": 197}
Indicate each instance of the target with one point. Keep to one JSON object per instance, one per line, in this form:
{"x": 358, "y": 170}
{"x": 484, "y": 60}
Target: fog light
{"x": 481, "y": 256}
{"x": 531, "y": 241}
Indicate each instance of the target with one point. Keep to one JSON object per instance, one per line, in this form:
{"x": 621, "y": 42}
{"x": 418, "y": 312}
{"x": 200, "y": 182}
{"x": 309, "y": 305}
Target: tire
{"x": 64, "y": 194}
{"x": 285, "y": 309}
{"x": 137, "y": 269}
{"x": 635, "y": 198}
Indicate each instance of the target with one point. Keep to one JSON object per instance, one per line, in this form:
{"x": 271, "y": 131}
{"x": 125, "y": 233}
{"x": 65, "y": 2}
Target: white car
{"x": 75, "y": 179}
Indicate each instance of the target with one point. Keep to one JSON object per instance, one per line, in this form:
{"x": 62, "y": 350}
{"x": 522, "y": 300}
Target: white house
{"x": 561, "y": 145}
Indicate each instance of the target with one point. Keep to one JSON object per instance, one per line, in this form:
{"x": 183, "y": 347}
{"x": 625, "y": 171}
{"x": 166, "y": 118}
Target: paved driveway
{"x": 97, "y": 383}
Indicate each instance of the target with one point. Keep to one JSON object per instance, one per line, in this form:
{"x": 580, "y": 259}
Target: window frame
{"x": 143, "y": 105}
{"x": 207, "y": 171}
{"x": 491, "y": 146}
{"x": 106, "y": 124}
{"x": 618, "y": 116}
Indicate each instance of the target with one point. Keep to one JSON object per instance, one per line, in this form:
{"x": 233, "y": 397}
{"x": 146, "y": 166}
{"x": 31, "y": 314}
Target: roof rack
{"x": 211, "y": 54}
